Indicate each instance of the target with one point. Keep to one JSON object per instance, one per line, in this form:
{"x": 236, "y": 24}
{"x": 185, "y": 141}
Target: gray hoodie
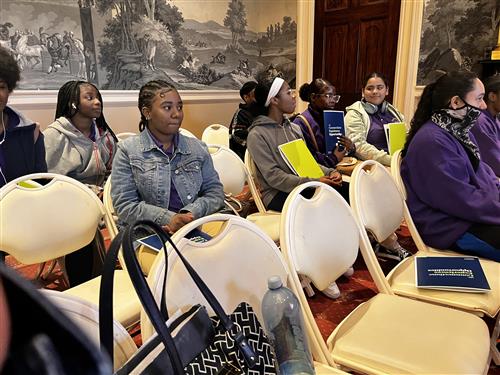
{"x": 273, "y": 174}
{"x": 69, "y": 152}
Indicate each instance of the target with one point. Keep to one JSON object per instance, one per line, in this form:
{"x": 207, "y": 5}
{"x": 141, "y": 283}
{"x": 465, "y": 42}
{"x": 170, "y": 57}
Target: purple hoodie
{"x": 445, "y": 195}
{"x": 487, "y": 134}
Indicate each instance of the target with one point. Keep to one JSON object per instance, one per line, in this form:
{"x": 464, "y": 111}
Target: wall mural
{"x": 456, "y": 34}
{"x": 121, "y": 44}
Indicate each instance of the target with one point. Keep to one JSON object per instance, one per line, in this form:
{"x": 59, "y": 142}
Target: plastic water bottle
{"x": 285, "y": 328}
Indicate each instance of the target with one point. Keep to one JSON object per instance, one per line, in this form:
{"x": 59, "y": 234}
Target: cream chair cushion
{"x": 86, "y": 316}
{"x": 402, "y": 281}
{"x": 388, "y": 335}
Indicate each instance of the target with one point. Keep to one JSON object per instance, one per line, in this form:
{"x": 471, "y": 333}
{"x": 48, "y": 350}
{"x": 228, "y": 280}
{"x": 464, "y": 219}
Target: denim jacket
{"x": 142, "y": 173}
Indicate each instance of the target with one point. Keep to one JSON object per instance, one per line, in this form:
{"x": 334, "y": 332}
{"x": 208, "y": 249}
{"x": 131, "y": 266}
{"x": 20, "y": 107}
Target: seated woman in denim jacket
{"x": 160, "y": 174}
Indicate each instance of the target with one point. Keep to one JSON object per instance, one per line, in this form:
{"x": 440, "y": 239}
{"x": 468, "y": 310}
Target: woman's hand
{"x": 347, "y": 144}
{"x": 339, "y": 152}
{"x": 178, "y": 221}
{"x": 334, "y": 180}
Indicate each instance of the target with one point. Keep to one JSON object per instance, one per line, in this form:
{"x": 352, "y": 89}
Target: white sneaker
{"x": 349, "y": 272}
{"x": 332, "y": 291}
{"x": 305, "y": 282}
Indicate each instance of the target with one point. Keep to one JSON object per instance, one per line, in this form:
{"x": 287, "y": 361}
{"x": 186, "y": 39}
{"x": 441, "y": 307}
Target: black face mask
{"x": 467, "y": 111}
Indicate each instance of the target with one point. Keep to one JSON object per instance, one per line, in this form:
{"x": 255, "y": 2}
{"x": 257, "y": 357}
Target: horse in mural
{"x": 28, "y": 55}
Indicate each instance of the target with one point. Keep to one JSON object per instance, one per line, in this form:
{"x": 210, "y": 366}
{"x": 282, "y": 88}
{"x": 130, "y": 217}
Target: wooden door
{"x": 353, "y": 38}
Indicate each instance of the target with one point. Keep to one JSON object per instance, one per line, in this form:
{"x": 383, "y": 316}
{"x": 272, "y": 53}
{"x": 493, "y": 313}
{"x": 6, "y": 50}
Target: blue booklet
{"x": 463, "y": 274}
{"x": 334, "y": 127}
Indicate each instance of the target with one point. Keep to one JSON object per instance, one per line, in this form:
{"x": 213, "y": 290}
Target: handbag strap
{"x": 232, "y": 330}
{"x": 311, "y": 133}
{"x": 149, "y": 303}
{"x": 124, "y": 239}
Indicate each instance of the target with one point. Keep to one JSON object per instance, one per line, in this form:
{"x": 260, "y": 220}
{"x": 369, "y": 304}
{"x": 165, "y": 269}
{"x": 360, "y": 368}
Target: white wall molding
{"x": 410, "y": 26}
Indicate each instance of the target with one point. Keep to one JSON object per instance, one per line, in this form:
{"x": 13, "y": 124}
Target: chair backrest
{"x": 216, "y": 134}
{"x": 232, "y": 171}
{"x": 319, "y": 233}
{"x": 235, "y": 264}
{"x": 396, "y": 172}
{"x": 378, "y": 209}
{"x": 319, "y": 238}
{"x": 43, "y": 223}
{"x": 86, "y": 316}
{"x": 253, "y": 183}
{"x": 187, "y": 133}
{"x": 110, "y": 217}
{"x": 376, "y": 200}
{"x": 125, "y": 135}
{"x": 396, "y": 175}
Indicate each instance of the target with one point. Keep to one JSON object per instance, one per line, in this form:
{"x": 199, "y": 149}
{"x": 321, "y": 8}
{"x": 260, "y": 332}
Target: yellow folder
{"x": 299, "y": 159}
{"x": 396, "y": 136}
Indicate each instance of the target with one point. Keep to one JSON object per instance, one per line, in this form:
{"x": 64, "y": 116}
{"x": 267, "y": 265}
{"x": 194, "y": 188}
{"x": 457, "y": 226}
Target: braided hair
{"x": 68, "y": 100}
{"x": 147, "y": 94}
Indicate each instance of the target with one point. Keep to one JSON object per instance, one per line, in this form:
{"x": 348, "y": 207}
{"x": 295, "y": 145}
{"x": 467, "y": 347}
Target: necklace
{"x": 4, "y": 131}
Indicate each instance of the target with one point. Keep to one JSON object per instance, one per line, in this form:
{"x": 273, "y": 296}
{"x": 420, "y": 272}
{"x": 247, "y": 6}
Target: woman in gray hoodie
{"x": 79, "y": 143}
{"x": 271, "y": 129}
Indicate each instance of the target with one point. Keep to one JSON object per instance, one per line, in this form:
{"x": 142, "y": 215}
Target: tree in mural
{"x": 483, "y": 19}
{"x": 446, "y": 16}
{"x": 172, "y": 18}
{"x": 236, "y": 21}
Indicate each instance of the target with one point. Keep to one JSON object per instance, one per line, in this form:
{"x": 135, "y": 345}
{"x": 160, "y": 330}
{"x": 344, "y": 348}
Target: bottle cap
{"x": 274, "y": 282}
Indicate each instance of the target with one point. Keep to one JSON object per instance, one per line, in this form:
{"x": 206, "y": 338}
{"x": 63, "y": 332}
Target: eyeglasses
{"x": 334, "y": 98}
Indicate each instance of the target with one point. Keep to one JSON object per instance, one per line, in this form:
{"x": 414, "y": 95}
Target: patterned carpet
{"x": 328, "y": 313}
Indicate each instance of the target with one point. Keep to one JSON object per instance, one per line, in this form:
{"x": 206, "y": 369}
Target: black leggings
{"x": 279, "y": 199}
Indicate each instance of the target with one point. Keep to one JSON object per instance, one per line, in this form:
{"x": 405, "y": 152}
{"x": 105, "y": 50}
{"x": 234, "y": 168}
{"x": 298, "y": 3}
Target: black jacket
{"x": 23, "y": 150}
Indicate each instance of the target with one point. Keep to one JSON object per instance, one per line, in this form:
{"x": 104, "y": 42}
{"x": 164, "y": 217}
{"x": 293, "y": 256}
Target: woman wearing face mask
{"x": 321, "y": 95}
{"x": 487, "y": 128}
{"x": 365, "y": 119}
{"x": 160, "y": 174}
{"x": 453, "y": 195}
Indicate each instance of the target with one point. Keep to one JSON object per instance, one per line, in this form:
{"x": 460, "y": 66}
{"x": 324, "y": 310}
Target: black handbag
{"x": 193, "y": 343}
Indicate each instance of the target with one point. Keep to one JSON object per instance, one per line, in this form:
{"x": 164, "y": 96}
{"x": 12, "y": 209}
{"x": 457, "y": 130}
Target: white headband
{"x": 273, "y": 91}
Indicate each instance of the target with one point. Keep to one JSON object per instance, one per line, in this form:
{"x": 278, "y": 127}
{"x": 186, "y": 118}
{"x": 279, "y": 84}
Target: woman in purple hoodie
{"x": 487, "y": 129}
{"x": 453, "y": 196}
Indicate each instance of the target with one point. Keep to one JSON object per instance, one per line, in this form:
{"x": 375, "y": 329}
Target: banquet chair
{"x": 379, "y": 207}
{"x": 216, "y": 134}
{"x": 86, "y": 316}
{"x": 48, "y": 222}
{"x": 227, "y": 264}
{"x": 403, "y": 277}
{"x": 233, "y": 175}
{"x": 125, "y": 135}
{"x": 387, "y": 334}
{"x": 187, "y": 133}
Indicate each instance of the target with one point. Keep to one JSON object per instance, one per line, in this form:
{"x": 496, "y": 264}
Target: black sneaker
{"x": 397, "y": 254}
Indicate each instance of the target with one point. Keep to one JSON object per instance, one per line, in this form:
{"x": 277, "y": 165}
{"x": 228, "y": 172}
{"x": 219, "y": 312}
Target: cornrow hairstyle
{"x": 147, "y": 94}
{"x": 315, "y": 87}
{"x": 68, "y": 98}
{"x": 9, "y": 70}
